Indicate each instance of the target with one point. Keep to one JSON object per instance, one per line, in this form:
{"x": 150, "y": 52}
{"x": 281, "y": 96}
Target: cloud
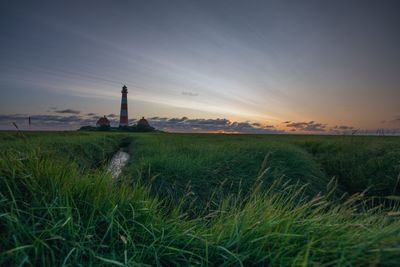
{"x": 51, "y": 109}
{"x": 112, "y": 116}
{"x": 343, "y": 127}
{"x": 311, "y": 126}
{"x": 189, "y": 93}
{"x": 185, "y": 124}
{"x": 91, "y": 114}
{"x": 44, "y": 121}
{"x": 67, "y": 111}
{"x": 177, "y": 120}
{"x": 48, "y": 122}
{"x": 393, "y": 120}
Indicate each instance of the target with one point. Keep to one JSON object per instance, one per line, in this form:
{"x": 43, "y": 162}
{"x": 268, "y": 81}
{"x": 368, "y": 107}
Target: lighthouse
{"x": 123, "y": 118}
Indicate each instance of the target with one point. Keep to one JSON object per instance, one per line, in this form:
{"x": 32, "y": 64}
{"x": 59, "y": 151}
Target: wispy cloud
{"x": 393, "y": 121}
{"x": 311, "y": 126}
{"x": 343, "y": 127}
{"x": 189, "y": 93}
{"x": 67, "y": 111}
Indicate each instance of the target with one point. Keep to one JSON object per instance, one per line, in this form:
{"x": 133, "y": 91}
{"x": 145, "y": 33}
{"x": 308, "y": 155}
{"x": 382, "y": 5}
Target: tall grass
{"x": 359, "y": 162}
{"x": 172, "y": 163}
{"x": 56, "y": 212}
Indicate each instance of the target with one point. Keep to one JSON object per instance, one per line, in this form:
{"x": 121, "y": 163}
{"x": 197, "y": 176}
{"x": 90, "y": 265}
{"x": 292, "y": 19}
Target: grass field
{"x": 229, "y": 200}
{"x": 359, "y": 163}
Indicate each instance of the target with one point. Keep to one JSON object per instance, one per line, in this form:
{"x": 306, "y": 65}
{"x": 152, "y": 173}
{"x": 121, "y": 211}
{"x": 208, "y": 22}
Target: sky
{"x": 203, "y": 66}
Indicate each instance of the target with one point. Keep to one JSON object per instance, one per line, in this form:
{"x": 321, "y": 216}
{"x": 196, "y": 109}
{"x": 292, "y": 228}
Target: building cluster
{"x": 142, "y": 125}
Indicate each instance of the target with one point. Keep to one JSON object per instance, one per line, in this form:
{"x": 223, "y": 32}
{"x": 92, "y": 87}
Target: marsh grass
{"x": 174, "y": 163}
{"x": 57, "y": 212}
{"x": 358, "y": 162}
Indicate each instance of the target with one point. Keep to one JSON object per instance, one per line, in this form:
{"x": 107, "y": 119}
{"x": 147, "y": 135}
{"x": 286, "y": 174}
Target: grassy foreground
{"x": 58, "y": 207}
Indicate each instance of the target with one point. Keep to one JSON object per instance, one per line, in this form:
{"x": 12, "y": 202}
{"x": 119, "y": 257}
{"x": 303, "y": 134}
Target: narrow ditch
{"x": 119, "y": 160}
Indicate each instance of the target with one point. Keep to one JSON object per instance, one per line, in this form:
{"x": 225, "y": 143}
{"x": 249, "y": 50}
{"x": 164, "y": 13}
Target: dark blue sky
{"x": 336, "y": 63}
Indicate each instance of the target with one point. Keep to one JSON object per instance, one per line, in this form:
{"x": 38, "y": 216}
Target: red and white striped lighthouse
{"x": 123, "y": 118}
